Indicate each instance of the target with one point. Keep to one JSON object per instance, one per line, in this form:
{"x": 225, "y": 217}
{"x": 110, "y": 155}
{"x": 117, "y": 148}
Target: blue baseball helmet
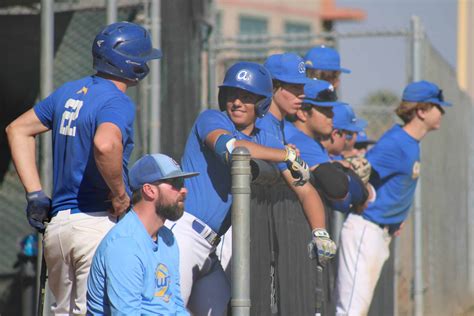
{"x": 122, "y": 49}
{"x": 251, "y": 77}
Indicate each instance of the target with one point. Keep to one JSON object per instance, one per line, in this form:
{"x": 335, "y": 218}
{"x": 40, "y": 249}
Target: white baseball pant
{"x": 69, "y": 243}
{"x": 363, "y": 250}
{"x": 204, "y": 286}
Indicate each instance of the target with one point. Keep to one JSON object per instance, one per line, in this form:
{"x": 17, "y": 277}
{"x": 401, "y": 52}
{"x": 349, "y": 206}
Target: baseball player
{"x": 395, "y": 161}
{"x": 91, "y": 120}
{"x": 245, "y": 94}
{"x": 324, "y": 63}
{"x": 314, "y": 120}
{"x": 135, "y": 270}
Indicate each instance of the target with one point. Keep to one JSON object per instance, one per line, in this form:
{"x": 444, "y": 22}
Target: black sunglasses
{"x": 326, "y": 95}
{"x": 177, "y": 183}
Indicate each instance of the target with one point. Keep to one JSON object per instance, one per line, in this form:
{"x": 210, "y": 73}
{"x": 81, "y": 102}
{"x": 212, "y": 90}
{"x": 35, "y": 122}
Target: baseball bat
{"x": 319, "y": 293}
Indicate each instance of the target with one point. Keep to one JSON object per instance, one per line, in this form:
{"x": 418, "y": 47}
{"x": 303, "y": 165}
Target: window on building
{"x": 250, "y": 25}
{"x": 297, "y": 28}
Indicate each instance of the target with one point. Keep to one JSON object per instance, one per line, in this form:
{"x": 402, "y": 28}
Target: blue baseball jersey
{"x": 396, "y": 159}
{"x": 209, "y": 194}
{"x": 273, "y": 126}
{"x": 73, "y": 113}
{"x": 311, "y": 151}
{"x": 132, "y": 274}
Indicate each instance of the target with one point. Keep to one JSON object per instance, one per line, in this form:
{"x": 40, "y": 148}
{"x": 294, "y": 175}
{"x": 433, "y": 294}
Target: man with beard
{"x": 135, "y": 270}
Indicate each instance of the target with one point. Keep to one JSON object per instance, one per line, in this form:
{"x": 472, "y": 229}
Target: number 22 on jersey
{"x": 69, "y": 116}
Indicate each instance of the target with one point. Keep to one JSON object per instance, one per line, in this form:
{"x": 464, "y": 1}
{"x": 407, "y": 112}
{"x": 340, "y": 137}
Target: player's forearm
{"x": 108, "y": 158}
{"x": 23, "y": 150}
{"x": 262, "y": 152}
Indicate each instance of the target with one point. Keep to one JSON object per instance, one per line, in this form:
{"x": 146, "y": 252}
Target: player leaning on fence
{"x": 395, "y": 163}
{"x": 245, "y": 94}
{"x": 91, "y": 120}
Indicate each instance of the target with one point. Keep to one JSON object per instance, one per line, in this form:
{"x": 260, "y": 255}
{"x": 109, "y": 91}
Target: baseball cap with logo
{"x": 320, "y": 93}
{"x": 287, "y": 67}
{"x": 362, "y": 138}
{"x": 345, "y": 118}
{"x": 424, "y": 91}
{"x": 324, "y": 58}
{"x": 154, "y": 168}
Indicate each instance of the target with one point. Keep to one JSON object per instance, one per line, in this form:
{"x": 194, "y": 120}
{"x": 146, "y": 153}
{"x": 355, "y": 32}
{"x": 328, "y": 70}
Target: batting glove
{"x": 321, "y": 246}
{"x": 37, "y": 209}
{"x": 298, "y": 168}
{"x": 361, "y": 167}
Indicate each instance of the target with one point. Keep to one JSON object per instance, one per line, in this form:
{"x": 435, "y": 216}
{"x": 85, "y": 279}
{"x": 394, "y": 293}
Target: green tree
{"x": 382, "y": 98}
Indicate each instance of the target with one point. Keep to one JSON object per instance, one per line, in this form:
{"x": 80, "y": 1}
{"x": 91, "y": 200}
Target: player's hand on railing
{"x": 298, "y": 168}
{"x": 37, "y": 210}
{"x": 321, "y": 246}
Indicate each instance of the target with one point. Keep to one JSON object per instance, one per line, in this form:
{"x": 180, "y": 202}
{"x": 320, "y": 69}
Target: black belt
{"x": 392, "y": 228}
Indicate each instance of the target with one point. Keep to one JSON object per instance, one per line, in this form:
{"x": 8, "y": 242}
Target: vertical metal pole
{"x": 241, "y": 232}
{"x": 417, "y": 215}
{"x": 155, "y": 108}
{"x": 211, "y": 62}
{"x": 111, "y": 11}
{"x": 46, "y": 149}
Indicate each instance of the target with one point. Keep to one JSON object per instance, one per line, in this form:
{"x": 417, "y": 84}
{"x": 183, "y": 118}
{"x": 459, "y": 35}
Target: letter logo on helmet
{"x": 301, "y": 68}
{"x": 122, "y": 50}
{"x": 243, "y": 75}
{"x": 251, "y": 77}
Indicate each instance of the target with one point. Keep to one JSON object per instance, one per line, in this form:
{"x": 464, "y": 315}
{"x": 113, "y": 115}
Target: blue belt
{"x": 206, "y": 232}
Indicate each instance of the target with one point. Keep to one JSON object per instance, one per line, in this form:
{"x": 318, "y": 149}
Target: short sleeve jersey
{"x": 209, "y": 194}
{"x": 396, "y": 159}
{"x": 73, "y": 113}
{"x": 311, "y": 151}
{"x": 132, "y": 274}
{"x": 273, "y": 126}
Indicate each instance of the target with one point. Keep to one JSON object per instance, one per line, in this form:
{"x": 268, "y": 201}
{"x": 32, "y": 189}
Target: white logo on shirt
{"x": 69, "y": 115}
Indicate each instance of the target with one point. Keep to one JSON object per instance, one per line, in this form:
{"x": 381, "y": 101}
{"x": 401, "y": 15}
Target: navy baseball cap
{"x": 345, "y": 118}
{"x": 287, "y": 67}
{"x": 362, "y": 138}
{"x": 320, "y": 93}
{"x": 424, "y": 91}
{"x": 324, "y": 58}
{"x": 153, "y": 168}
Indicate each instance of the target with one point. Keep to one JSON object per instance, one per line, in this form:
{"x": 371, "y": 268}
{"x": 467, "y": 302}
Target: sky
{"x": 380, "y": 63}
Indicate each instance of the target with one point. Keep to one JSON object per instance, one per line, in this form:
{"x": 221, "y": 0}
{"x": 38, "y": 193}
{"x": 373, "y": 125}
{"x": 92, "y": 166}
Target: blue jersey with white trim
{"x": 209, "y": 194}
{"x": 73, "y": 113}
{"x": 396, "y": 159}
{"x": 311, "y": 151}
{"x": 131, "y": 274}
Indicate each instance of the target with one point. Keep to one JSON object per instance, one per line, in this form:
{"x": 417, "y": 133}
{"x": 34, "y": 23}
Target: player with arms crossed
{"x": 395, "y": 161}
{"x": 245, "y": 94}
{"x": 92, "y": 132}
{"x": 135, "y": 270}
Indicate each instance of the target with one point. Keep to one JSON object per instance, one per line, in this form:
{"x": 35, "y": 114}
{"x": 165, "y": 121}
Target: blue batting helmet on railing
{"x": 251, "y": 77}
{"x": 122, "y": 49}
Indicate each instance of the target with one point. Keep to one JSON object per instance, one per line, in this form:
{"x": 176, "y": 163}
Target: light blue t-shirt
{"x": 131, "y": 274}
{"x": 209, "y": 194}
{"x": 273, "y": 126}
{"x": 396, "y": 159}
{"x": 311, "y": 151}
{"x": 73, "y": 113}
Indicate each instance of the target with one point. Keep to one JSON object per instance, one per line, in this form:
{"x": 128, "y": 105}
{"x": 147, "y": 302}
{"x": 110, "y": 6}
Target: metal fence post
{"x": 46, "y": 149}
{"x": 417, "y": 33}
{"x": 111, "y": 11}
{"x": 241, "y": 177}
{"x": 155, "y": 92}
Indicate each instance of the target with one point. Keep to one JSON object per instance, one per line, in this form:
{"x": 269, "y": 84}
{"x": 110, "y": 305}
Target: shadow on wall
{"x": 20, "y": 75}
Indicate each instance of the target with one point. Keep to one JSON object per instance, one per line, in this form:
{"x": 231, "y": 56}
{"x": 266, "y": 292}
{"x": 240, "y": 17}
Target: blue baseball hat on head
{"x": 324, "y": 58}
{"x": 362, "y": 138}
{"x": 345, "y": 118}
{"x": 287, "y": 67}
{"x": 424, "y": 91}
{"x": 320, "y": 93}
{"x": 154, "y": 168}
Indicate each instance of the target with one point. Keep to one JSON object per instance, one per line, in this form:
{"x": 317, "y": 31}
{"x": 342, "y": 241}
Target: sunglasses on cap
{"x": 349, "y": 135}
{"x": 326, "y": 95}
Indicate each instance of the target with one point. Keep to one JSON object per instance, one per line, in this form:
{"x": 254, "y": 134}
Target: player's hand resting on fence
{"x": 298, "y": 168}
{"x": 321, "y": 246}
{"x": 37, "y": 210}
